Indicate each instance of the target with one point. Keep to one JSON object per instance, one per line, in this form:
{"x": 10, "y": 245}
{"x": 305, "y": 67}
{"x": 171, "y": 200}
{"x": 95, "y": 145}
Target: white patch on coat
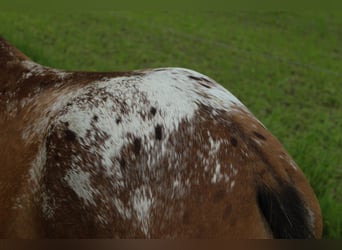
{"x": 37, "y": 69}
{"x": 217, "y": 176}
{"x": 293, "y": 164}
{"x": 142, "y": 201}
{"x": 232, "y": 184}
{"x": 79, "y": 182}
{"x": 170, "y": 92}
{"x": 124, "y": 212}
{"x": 289, "y": 160}
{"x": 33, "y": 68}
{"x": 36, "y": 170}
{"x": 174, "y": 95}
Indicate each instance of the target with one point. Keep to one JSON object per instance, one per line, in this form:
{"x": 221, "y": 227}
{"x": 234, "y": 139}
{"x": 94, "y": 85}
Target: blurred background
{"x": 285, "y": 67}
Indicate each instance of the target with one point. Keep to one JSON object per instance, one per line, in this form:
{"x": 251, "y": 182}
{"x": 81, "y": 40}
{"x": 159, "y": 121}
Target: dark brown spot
{"x": 153, "y": 111}
{"x": 122, "y": 163}
{"x": 118, "y": 120}
{"x": 137, "y": 145}
{"x": 158, "y": 131}
{"x": 233, "y": 220}
{"x": 70, "y": 135}
{"x": 200, "y": 80}
{"x": 204, "y": 85}
{"x": 95, "y": 118}
{"x": 161, "y": 69}
{"x": 260, "y": 136}
{"x": 69, "y": 104}
{"x": 227, "y": 211}
{"x": 219, "y": 195}
{"x": 186, "y": 217}
{"x": 66, "y": 124}
{"x": 233, "y": 141}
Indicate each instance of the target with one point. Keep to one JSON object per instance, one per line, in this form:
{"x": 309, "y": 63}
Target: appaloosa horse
{"x": 157, "y": 153}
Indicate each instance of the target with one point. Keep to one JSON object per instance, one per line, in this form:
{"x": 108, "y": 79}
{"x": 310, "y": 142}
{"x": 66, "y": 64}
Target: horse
{"x": 154, "y": 153}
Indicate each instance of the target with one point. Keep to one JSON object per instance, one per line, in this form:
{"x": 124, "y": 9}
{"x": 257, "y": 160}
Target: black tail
{"x": 285, "y": 212}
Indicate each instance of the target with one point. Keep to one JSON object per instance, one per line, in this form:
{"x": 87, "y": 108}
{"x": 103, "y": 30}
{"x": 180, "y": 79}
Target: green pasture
{"x": 285, "y": 67}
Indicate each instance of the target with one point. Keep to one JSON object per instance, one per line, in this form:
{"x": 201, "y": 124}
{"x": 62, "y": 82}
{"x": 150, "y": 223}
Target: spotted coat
{"x": 156, "y": 153}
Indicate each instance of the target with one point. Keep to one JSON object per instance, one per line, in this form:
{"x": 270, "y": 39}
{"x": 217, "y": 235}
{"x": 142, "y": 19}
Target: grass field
{"x": 285, "y": 67}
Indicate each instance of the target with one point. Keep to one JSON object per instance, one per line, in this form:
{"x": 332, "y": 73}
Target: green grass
{"x": 285, "y": 67}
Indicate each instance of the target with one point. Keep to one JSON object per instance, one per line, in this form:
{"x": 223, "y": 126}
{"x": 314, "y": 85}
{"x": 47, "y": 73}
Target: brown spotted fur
{"x": 210, "y": 211}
